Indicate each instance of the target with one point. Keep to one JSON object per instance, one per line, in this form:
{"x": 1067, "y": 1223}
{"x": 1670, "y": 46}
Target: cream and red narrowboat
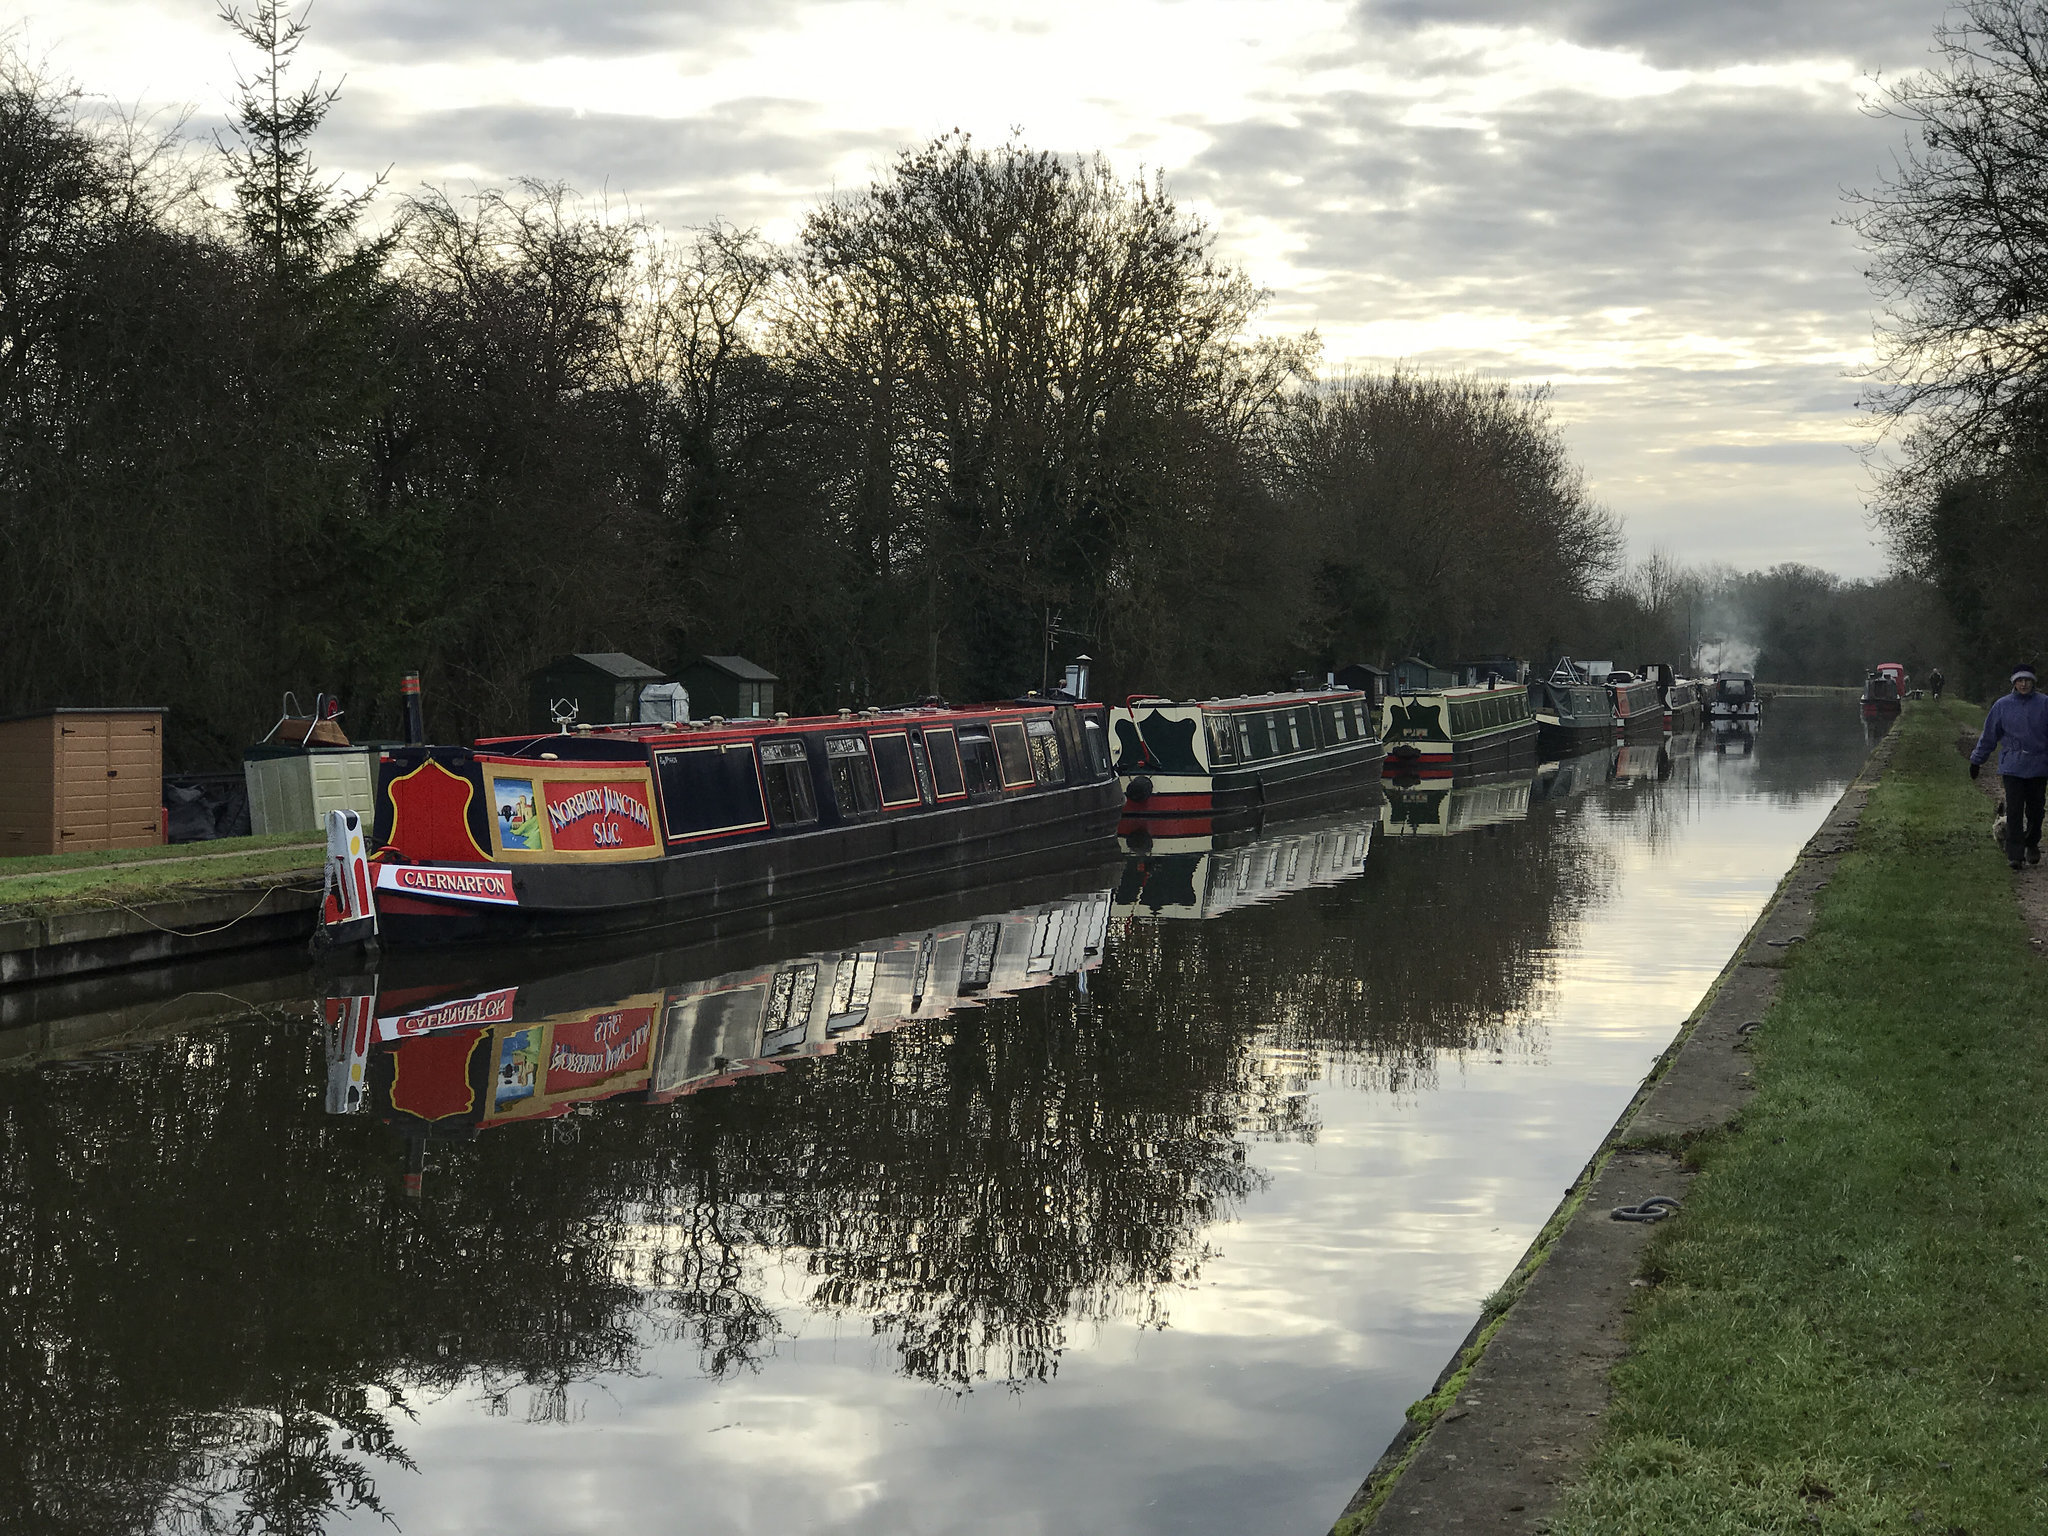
{"x": 632, "y": 826}
{"x": 1214, "y": 765}
{"x": 1466, "y": 732}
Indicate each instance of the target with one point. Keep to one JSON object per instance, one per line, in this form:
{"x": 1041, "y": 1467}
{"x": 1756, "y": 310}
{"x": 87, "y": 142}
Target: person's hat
{"x": 2023, "y": 670}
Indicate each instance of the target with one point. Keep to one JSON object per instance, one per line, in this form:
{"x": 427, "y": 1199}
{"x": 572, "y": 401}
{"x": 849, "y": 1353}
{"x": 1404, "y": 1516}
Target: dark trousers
{"x": 2023, "y": 801}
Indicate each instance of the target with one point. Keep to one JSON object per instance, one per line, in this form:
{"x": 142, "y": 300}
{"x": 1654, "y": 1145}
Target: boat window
{"x": 1336, "y": 722}
{"x": 1244, "y": 739}
{"x": 1222, "y": 743}
{"x": 978, "y": 760}
{"x": 853, "y": 779}
{"x": 945, "y": 757}
{"x": 1271, "y": 746}
{"x": 710, "y": 789}
{"x": 1295, "y": 731}
{"x": 1098, "y": 748}
{"x": 1048, "y": 763}
{"x": 786, "y": 774}
{"x": 1013, "y": 756}
{"x": 893, "y": 767}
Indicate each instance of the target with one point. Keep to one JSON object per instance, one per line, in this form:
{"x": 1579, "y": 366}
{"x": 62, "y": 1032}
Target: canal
{"x": 1138, "y": 1197}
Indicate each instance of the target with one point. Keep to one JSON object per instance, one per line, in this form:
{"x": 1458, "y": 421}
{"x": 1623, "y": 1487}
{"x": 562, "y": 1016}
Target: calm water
{"x": 716, "y": 1241}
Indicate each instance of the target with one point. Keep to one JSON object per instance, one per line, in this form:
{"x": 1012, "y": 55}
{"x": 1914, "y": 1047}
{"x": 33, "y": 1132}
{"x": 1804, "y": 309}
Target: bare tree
{"x": 1957, "y": 236}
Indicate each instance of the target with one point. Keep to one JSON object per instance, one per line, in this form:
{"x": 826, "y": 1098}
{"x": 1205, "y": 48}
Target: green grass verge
{"x": 38, "y": 885}
{"x": 1845, "y": 1328}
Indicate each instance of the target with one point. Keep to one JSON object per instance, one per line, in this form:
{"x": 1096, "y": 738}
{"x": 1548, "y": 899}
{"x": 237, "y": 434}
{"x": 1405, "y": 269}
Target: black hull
{"x": 1561, "y": 741}
{"x": 741, "y": 886}
{"x": 1243, "y": 796}
{"x": 1510, "y": 749}
{"x": 1644, "y": 727}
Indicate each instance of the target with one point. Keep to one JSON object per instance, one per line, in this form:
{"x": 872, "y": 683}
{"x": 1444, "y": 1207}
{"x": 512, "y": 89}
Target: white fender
{"x": 348, "y": 904}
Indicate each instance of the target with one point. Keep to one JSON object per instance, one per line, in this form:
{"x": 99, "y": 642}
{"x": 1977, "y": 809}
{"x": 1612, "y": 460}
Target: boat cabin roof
{"x": 592, "y": 741}
{"x": 1249, "y": 700}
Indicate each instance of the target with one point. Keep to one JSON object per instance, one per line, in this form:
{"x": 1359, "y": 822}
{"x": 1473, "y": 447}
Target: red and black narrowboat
{"x": 1884, "y": 690}
{"x": 1638, "y": 705}
{"x": 1214, "y": 765}
{"x": 631, "y": 826}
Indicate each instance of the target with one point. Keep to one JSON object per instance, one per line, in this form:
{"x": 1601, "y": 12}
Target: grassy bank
{"x": 1844, "y": 1330}
{"x": 40, "y": 884}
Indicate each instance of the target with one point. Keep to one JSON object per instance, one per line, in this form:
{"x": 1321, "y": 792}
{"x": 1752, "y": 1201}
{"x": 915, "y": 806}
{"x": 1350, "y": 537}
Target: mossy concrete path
{"x": 1517, "y": 1411}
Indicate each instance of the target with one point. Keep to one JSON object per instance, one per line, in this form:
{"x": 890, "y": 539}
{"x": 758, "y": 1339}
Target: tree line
{"x": 1957, "y": 240}
{"x": 996, "y": 408}
{"x": 1791, "y": 623}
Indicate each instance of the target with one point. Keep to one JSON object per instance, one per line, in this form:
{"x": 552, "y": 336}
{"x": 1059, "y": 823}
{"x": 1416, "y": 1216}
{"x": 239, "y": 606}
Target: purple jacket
{"x": 2020, "y": 727}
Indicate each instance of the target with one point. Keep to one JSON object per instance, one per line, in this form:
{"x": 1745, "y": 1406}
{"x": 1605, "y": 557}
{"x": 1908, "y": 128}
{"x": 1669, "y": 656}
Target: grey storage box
{"x": 291, "y": 789}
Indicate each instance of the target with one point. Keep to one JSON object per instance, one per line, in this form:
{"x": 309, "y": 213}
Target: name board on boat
{"x": 550, "y": 811}
{"x": 492, "y": 887}
{"x": 584, "y": 818}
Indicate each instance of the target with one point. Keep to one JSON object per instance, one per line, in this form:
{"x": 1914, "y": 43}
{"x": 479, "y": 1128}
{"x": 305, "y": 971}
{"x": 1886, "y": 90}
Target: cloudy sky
{"x": 1633, "y": 200}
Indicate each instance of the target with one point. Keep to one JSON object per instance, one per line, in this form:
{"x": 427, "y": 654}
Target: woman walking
{"x": 2017, "y": 727}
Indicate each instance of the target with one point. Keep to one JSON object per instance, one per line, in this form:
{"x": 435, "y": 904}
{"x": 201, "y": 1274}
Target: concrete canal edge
{"x": 1516, "y": 1412}
{"x": 272, "y": 909}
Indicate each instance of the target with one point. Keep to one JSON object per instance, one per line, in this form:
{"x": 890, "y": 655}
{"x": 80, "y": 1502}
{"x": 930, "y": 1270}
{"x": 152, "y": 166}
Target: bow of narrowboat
{"x": 1188, "y": 769}
{"x": 1638, "y": 707}
{"x": 1573, "y": 713}
{"x": 589, "y": 831}
{"x": 1467, "y": 732}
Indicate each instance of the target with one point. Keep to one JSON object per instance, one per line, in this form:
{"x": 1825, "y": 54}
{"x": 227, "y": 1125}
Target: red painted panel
{"x": 430, "y": 817}
{"x": 586, "y": 816}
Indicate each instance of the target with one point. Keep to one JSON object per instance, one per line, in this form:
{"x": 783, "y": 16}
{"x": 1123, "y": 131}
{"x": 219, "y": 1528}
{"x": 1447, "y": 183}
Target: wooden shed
{"x": 603, "y": 685}
{"x": 77, "y": 779}
{"x": 731, "y": 686}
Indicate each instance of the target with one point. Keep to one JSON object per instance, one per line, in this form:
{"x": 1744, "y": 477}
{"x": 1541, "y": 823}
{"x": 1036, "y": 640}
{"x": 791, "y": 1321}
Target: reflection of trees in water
{"x": 218, "y": 1295}
{"x": 223, "y": 1308}
{"x": 973, "y": 1192}
{"x": 1439, "y": 946}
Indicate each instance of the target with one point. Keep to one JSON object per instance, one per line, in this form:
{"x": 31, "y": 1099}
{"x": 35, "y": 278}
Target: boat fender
{"x": 1140, "y": 788}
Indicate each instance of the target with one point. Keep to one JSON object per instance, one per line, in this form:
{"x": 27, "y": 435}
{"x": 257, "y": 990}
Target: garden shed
{"x": 79, "y": 779}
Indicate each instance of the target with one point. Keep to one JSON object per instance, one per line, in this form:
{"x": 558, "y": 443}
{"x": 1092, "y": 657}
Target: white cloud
{"x": 1634, "y": 203}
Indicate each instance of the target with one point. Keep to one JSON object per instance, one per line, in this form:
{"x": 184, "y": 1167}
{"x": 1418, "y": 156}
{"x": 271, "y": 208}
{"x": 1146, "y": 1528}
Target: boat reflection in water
{"x": 1206, "y": 876}
{"x": 1572, "y": 776}
{"x": 436, "y": 1066}
{"x": 1734, "y": 736}
{"x": 1443, "y": 809}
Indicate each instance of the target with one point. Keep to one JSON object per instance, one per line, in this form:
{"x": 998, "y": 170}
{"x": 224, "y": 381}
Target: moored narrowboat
{"x": 1884, "y": 690}
{"x": 1574, "y": 713}
{"x": 1638, "y": 707}
{"x": 1731, "y": 699}
{"x": 629, "y": 826}
{"x": 1683, "y": 710}
{"x": 1214, "y": 764}
{"x": 1463, "y": 731}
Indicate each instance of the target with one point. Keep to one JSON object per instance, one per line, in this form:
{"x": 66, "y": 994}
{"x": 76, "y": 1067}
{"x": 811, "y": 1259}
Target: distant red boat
{"x": 1884, "y": 689}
